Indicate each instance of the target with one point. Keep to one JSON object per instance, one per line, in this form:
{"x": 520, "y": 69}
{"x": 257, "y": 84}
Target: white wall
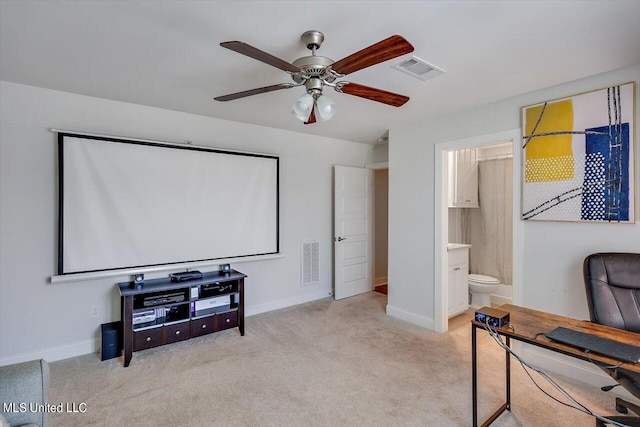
{"x": 39, "y": 319}
{"x": 380, "y": 153}
{"x": 552, "y": 251}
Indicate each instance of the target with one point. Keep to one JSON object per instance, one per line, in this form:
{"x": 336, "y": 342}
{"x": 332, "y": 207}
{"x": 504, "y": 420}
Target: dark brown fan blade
{"x": 389, "y": 48}
{"x": 312, "y": 117}
{"x": 374, "y": 94}
{"x": 256, "y": 91}
{"x": 255, "y": 53}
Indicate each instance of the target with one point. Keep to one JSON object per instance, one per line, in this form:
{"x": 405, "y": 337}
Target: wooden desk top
{"x": 531, "y": 325}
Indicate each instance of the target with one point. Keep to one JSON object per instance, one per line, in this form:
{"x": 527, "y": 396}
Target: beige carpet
{"x": 325, "y": 363}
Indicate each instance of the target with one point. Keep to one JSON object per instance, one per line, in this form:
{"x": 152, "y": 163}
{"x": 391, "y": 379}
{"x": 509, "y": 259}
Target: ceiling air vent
{"x": 418, "y": 68}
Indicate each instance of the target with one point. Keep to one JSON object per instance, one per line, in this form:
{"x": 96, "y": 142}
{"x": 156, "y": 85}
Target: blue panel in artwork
{"x": 605, "y": 195}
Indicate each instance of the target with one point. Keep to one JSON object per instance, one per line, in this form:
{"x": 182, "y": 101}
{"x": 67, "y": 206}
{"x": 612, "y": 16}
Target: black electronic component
{"x": 138, "y": 281}
{"x": 492, "y": 317}
{"x": 163, "y": 299}
{"x": 185, "y": 275}
{"x": 217, "y": 288}
{"x": 111, "y": 342}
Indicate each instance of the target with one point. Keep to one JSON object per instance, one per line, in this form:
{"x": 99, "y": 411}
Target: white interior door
{"x": 353, "y": 231}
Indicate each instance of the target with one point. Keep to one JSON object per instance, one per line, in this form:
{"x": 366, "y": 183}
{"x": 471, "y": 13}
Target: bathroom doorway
{"x": 490, "y": 223}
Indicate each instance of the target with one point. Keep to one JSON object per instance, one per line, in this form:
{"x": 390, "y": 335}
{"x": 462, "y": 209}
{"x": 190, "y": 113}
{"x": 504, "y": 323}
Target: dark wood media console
{"x": 159, "y": 311}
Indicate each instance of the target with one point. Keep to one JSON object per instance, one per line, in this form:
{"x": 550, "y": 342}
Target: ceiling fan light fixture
{"x": 302, "y": 107}
{"x": 315, "y": 72}
{"x": 326, "y": 108}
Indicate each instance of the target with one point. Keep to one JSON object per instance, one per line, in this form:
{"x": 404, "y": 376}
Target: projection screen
{"x": 126, "y": 204}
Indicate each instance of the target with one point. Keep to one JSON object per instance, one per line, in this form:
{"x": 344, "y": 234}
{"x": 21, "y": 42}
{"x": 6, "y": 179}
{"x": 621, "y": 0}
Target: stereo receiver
{"x": 493, "y": 317}
{"x": 144, "y": 316}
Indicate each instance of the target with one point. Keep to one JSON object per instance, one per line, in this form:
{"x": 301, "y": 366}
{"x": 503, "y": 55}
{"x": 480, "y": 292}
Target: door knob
{"x": 340, "y": 239}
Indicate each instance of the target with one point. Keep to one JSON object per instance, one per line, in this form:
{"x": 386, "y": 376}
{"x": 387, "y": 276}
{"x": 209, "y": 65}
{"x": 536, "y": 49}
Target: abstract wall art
{"x": 578, "y": 157}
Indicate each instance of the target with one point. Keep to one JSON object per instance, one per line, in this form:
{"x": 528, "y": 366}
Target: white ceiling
{"x": 167, "y": 54}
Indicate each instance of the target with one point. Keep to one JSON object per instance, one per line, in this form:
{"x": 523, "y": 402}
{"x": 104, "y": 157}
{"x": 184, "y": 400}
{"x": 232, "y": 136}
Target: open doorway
{"x": 381, "y": 227}
{"x": 454, "y": 225}
{"x": 480, "y": 229}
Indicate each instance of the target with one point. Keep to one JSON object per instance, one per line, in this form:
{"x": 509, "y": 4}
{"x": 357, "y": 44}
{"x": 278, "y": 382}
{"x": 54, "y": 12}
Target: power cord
{"x": 586, "y": 353}
{"x": 575, "y": 404}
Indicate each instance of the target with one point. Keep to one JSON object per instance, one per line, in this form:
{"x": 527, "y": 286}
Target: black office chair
{"x": 612, "y": 281}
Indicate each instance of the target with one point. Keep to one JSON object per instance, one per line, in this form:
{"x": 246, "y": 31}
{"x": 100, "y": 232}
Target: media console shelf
{"x": 160, "y": 311}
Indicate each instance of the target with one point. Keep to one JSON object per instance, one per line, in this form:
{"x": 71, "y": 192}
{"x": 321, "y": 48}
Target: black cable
{"x": 498, "y": 339}
{"x": 580, "y": 407}
{"x": 586, "y": 353}
{"x": 551, "y": 396}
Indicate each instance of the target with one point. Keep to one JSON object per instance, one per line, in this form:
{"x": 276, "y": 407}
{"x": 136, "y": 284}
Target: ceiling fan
{"x": 315, "y": 72}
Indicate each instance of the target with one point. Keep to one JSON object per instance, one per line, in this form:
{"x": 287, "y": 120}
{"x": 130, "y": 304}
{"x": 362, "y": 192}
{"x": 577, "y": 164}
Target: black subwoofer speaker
{"x": 111, "y": 342}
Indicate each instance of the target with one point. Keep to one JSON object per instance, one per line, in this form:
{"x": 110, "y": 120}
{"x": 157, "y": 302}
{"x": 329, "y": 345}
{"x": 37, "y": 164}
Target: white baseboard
{"x": 56, "y": 353}
{"x": 503, "y": 295}
{"x": 92, "y": 346}
{"x": 283, "y": 303}
{"x": 382, "y": 280}
{"x": 416, "y": 319}
{"x": 499, "y": 300}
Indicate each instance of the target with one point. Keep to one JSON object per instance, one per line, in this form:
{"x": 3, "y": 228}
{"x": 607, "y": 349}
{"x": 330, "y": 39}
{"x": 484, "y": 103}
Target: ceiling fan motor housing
{"x": 314, "y": 86}
{"x": 312, "y": 39}
{"x": 312, "y": 66}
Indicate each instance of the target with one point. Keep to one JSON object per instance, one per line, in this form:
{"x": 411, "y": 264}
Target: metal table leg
{"x": 474, "y": 381}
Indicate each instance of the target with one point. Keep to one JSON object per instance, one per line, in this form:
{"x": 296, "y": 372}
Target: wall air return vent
{"x": 310, "y": 260}
{"x": 418, "y": 68}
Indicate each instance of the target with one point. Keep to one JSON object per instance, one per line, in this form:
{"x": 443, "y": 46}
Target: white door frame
{"x": 442, "y": 218}
{"x": 377, "y": 167}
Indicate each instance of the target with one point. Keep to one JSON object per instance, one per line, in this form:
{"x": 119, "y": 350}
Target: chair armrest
{"x": 24, "y": 383}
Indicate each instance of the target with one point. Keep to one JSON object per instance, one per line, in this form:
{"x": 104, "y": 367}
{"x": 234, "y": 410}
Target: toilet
{"x": 481, "y": 288}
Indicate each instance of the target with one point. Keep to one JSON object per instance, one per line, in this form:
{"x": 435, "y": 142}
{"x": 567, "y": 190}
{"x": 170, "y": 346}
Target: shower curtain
{"x": 490, "y": 228}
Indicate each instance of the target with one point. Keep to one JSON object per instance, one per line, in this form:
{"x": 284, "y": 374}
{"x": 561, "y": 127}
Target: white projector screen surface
{"x": 131, "y": 204}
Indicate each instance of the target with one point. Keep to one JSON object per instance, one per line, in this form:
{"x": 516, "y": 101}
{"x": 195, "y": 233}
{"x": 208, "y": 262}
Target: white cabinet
{"x": 463, "y": 178}
{"x": 457, "y": 278}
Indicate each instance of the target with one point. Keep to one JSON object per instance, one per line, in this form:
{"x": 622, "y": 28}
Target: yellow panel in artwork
{"x": 552, "y": 151}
